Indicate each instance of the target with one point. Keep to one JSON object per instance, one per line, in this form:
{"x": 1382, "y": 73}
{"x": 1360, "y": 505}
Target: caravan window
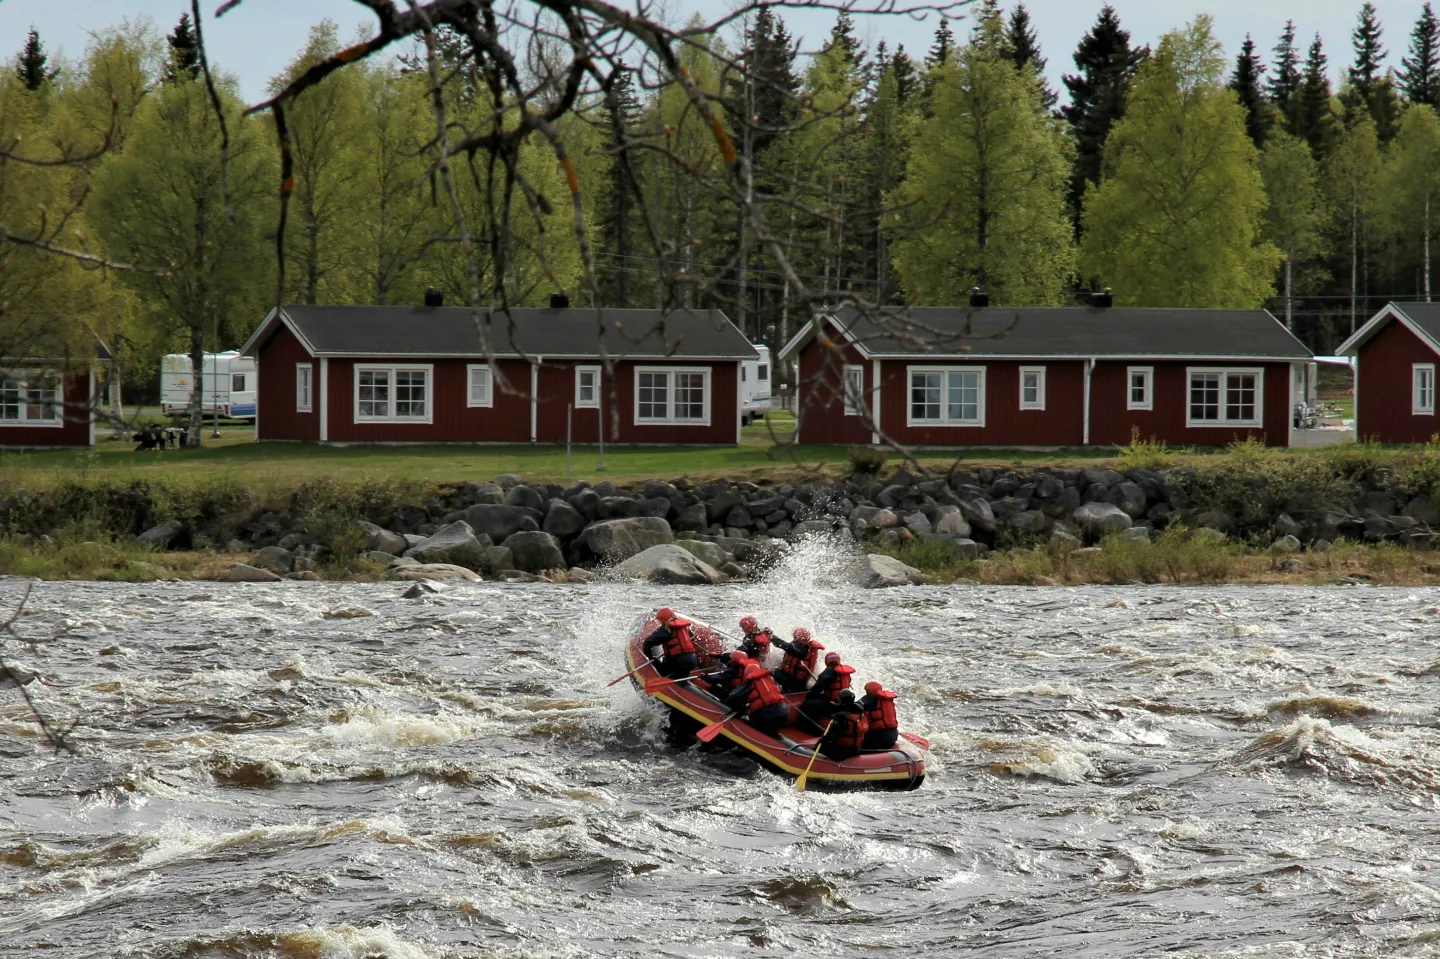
{"x": 764, "y": 373}
{"x": 237, "y": 382}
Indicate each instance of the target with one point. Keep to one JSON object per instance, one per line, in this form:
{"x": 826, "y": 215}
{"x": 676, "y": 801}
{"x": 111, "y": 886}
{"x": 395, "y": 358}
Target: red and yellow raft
{"x": 789, "y": 753}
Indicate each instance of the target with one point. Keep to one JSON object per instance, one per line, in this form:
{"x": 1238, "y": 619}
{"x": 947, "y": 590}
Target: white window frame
{"x": 594, "y": 402}
{"x": 1422, "y": 399}
{"x": 854, "y": 395}
{"x": 1225, "y": 372}
{"x": 58, "y": 420}
{"x": 243, "y": 382}
{"x": 392, "y": 368}
{"x": 488, "y": 400}
{"x": 944, "y": 420}
{"x": 304, "y": 388}
{"x": 1149, "y": 402}
{"x": 669, "y": 419}
{"x": 1039, "y": 402}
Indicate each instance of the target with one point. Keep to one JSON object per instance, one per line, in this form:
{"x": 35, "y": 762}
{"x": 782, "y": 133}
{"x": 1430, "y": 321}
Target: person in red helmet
{"x": 848, "y": 728}
{"x": 798, "y": 666}
{"x": 727, "y": 678}
{"x": 879, "y": 705}
{"x": 820, "y": 700}
{"x": 673, "y": 638}
{"x": 760, "y": 700}
{"x": 757, "y": 641}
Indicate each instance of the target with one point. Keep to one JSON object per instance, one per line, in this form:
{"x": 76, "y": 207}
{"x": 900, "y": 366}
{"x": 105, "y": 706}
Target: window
{"x": 479, "y": 388}
{"x": 764, "y": 373}
{"x": 1424, "y": 388}
{"x": 392, "y": 394}
{"x": 941, "y": 397}
{"x": 1138, "y": 394}
{"x": 1032, "y": 387}
{"x": 587, "y": 387}
{"x": 237, "y": 382}
{"x": 1224, "y": 398}
{"x": 302, "y": 387}
{"x": 30, "y": 399}
{"x": 742, "y": 372}
{"x": 854, "y": 390}
{"x": 672, "y": 396}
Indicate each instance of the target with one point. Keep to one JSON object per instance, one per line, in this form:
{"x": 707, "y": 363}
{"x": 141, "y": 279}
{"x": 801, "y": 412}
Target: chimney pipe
{"x": 559, "y": 301}
{"x": 978, "y": 299}
{"x": 434, "y": 297}
{"x": 1102, "y": 301}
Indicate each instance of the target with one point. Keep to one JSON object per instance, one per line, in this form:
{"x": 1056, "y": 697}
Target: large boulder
{"x": 161, "y": 536}
{"x": 1424, "y": 509}
{"x": 526, "y": 497}
{"x": 694, "y": 518}
{"x": 275, "y": 559}
{"x": 486, "y": 493}
{"x": 1130, "y": 498}
{"x": 953, "y": 524}
{"x": 669, "y": 563}
{"x": 378, "y": 538}
{"x": 1030, "y": 521}
{"x": 495, "y": 559}
{"x": 432, "y": 571}
{"x": 720, "y": 506}
{"x": 534, "y": 551}
{"x": 453, "y": 543}
{"x": 499, "y": 522}
{"x": 562, "y": 520}
{"x": 876, "y": 571}
{"x": 1100, "y": 519}
{"x": 978, "y": 514}
{"x": 242, "y": 573}
{"x": 707, "y": 553}
{"x": 618, "y": 539}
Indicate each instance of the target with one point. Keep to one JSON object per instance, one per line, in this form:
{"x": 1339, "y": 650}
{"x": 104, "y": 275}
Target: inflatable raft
{"x": 789, "y": 752}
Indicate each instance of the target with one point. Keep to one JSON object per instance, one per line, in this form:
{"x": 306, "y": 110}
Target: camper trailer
{"x": 227, "y": 385}
{"x": 755, "y": 387}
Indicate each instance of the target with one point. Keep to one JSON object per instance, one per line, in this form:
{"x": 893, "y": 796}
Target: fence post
{"x": 569, "y": 411}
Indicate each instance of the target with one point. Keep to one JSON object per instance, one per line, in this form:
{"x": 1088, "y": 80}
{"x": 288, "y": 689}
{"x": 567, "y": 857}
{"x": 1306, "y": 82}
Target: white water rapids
{"x": 328, "y": 770}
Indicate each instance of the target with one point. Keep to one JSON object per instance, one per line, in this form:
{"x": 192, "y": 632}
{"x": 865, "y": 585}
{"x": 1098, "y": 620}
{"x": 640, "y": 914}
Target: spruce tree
{"x": 1023, "y": 48}
{"x": 184, "y": 52}
{"x": 1312, "y": 120}
{"x": 907, "y": 75}
{"x": 31, "y": 68}
{"x": 944, "y": 43}
{"x": 622, "y": 121}
{"x": 768, "y": 82}
{"x": 1419, "y": 73}
{"x": 1245, "y": 81}
{"x": 1285, "y": 76}
{"x": 1368, "y": 91}
{"x": 1098, "y": 93}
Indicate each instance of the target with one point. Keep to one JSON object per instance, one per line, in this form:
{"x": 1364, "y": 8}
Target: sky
{"x": 256, "y": 40}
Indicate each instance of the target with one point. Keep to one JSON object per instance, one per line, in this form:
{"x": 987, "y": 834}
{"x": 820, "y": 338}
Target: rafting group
{"x": 754, "y": 692}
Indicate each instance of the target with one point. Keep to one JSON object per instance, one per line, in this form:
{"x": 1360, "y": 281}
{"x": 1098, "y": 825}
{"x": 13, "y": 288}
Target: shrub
{"x": 1149, "y": 454}
{"x": 867, "y": 459}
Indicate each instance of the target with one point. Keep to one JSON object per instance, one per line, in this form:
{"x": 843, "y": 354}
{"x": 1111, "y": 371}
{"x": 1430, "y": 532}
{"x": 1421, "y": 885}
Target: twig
{"x": 57, "y": 737}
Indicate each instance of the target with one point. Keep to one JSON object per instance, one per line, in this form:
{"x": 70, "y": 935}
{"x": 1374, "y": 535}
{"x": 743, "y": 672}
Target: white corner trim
{"x": 534, "y": 398}
{"x": 875, "y": 407}
{"x": 324, "y": 400}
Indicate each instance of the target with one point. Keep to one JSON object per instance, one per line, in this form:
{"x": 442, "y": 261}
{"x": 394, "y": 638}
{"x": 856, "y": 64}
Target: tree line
{"x": 1174, "y": 176}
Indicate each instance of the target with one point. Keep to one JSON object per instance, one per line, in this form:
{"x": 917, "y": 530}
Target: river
{"x": 330, "y": 770}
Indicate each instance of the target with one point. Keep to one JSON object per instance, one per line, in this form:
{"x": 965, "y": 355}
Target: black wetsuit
{"x": 674, "y": 667}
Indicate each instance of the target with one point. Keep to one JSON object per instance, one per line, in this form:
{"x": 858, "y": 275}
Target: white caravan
{"x": 228, "y": 384}
{"x": 755, "y": 387}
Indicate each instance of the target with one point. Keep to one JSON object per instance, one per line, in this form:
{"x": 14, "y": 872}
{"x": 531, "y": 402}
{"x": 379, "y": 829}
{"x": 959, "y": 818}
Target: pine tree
{"x": 944, "y": 43}
{"x": 842, "y": 36}
{"x": 768, "y": 82}
{"x": 1245, "y": 81}
{"x": 184, "y": 52}
{"x": 622, "y": 199}
{"x": 1419, "y": 74}
{"x": 1295, "y": 214}
{"x": 1176, "y": 221}
{"x": 907, "y": 75}
{"x": 1368, "y": 91}
{"x": 1098, "y": 93}
{"x": 31, "y": 68}
{"x": 1285, "y": 76}
{"x": 1023, "y": 48}
{"x": 1312, "y": 119}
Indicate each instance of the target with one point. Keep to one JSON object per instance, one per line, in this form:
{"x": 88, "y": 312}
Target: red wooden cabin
{"x": 1396, "y": 354}
{"x": 45, "y": 407}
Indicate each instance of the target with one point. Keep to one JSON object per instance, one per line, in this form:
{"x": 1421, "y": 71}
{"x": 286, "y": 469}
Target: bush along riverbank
{"x": 1355, "y": 514}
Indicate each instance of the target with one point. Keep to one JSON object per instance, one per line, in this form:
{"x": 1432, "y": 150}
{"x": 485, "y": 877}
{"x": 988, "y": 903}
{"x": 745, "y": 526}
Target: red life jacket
{"x": 801, "y": 669}
{"x": 763, "y": 692}
{"x": 679, "y": 642}
{"x": 842, "y": 681}
{"x": 849, "y": 730}
{"x": 882, "y": 714}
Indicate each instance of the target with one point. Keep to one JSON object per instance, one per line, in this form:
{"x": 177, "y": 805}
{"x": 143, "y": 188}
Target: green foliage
{"x": 866, "y": 459}
{"x": 1295, "y": 213}
{"x": 1175, "y": 221}
{"x": 1149, "y": 454}
{"x": 1176, "y": 555}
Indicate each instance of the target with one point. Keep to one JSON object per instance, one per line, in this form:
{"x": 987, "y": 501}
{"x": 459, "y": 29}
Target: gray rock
{"x": 1424, "y": 509}
{"x": 307, "y": 575}
{"x": 380, "y": 556}
{"x": 562, "y": 520}
{"x": 508, "y": 480}
{"x": 1215, "y": 519}
{"x": 576, "y": 574}
{"x": 526, "y": 497}
{"x": 668, "y": 563}
{"x": 162, "y": 535}
{"x": 619, "y": 507}
{"x": 498, "y": 522}
{"x": 693, "y": 518}
{"x": 734, "y": 570}
{"x": 1286, "y": 526}
{"x": 402, "y": 561}
{"x": 1137, "y": 534}
{"x": 419, "y": 591}
{"x": 741, "y": 549}
{"x": 381, "y": 539}
{"x": 618, "y": 539}
{"x": 1320, "y": 546}
{"x": 811, "y": 527}
{"x": 877, "y": 571}
{"x": 455, "y": 543}
{"x": 1286, "y": 544}
{"x": 1381, "y": 503}
{"x": 739, "y": 517}
{"x": 241, "y": 573}
{"x": 1129, "y": 497}
{"x": 705, "y": 552}
{"x": 1064, "y": 542}
{"x": 918, "y": 524}
{"x": 884, "y": 519}
{"x": 495, "y": 559}
{"x": 1096, "y": 477}
{"x": 414, "y": 539}
{"x": 275, "y": 559}
{"x": 958, "y": 547}
{"x": 1030, "y": 521}
{"x": 720, "y": 506}
{"x": 953, "y": 524}
{"x": 535, "y": 552}
{"x": 1048, "y": 486}
{"x": 1208, "y": 533}
{"x": 1100, "y": 519}
{"x": 655, "y": 506}
{"x": 440, "y": 571}
{"x": 292, "y": 540}
{"x": 978, "y": 514}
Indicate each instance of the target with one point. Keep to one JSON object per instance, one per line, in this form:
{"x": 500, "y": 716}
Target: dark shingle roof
{"x": 573, "y": 332}
{"x": 1424, "y": 315}
{"x": 1078, "y": 331}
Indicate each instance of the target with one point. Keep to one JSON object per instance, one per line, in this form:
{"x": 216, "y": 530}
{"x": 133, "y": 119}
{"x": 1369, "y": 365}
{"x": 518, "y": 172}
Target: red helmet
{"x": 754, "y": 671}
{"x": 665, "y": 614}
{"x": 831, "y": 658}
{"x": 873, "y": 687}
{"x": 738, "y": 656}
{"x": 801, "y": 634}
{"x": 749, "y": 623}
{"x": 761, "y": 639}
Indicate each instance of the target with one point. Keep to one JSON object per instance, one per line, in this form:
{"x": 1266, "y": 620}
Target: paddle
{"x": 629, "y": 674}
{"x": 800, "y": 783}
{"x": 655, "y": 685}
{"x": 713, "y": 730}
{"x": 920, "y": 741}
